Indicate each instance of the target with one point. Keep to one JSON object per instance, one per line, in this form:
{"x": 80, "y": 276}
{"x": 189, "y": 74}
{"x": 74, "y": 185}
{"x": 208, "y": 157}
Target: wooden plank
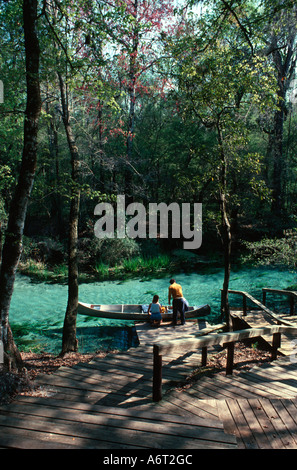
{"x": 279, "y": 406}
{"x": 45, "y": 429}
{"x": 113, "y": 369}
{"x": 73, "y": 393}
{"x": 268, "y": 378}
{"x": 120, "y": 417}
{"x": 243, "y": 430}
{"x": 202, "y": 391}
{"x": 254, "y": 425}
{"x": 214, "y": 388}
{"x": 240, "y": 388}
{"x": 147, "y": 368}
{"x": 221, "y": 338}
{"x": 92, "y": 387}
{"x": 110, "y": 428}
{"x": 255, "y": 387}
{"x": 105, "y": 381}
{"x": 267, "y": 382}
{"x": 291, "y": 407}
{"x": 228, "y": 421}
{"x": 237, "y": 387}
{"x": 15, "y": 438}
{"x": 186, "y": 400}
{"x": 287, "y": 370}
{"x": 177, "y": 365}
{"x": 284, "y": 374}
{"x": 167, "y": 411}
{"x": 288, "y": 442}
{"x": 266, "y": 424}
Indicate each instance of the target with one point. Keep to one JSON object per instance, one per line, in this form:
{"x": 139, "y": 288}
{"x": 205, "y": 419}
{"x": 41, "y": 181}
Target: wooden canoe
{"x": 134, "y": 312}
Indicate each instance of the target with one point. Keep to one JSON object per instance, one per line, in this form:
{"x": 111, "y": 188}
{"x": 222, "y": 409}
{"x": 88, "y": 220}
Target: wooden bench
{"x": 227, "y": 340}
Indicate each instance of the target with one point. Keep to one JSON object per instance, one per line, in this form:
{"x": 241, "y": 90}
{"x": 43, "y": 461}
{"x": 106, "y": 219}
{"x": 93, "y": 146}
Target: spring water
{"x": 38, "y": 309}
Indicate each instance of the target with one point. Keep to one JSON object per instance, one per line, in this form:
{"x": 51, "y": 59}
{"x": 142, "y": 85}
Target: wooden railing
{"x": 203, "y": 342}
{"x": 290, "y": 293}
{"x": 256, "y": 302}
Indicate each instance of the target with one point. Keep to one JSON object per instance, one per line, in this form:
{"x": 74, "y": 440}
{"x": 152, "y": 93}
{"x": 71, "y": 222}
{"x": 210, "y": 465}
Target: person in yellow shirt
{"x": 178, "y": 303}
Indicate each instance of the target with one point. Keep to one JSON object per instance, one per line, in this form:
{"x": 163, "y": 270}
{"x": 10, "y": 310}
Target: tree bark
{"x": 69, "y": 341}
{"x": 225, "y": 233}
{"x": 13, "y": 238}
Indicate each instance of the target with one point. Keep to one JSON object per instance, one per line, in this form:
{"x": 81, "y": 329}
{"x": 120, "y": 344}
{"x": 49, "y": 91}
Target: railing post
{"x": 291, "y": 305}
{"x": 222, "y": 305}
{"x": 204, "y": 356}
{"x": 230, "y": 357}
{"x": 157, "y": 375}
{"x": 276, "y": 342}
{"x": 244, "y": 305}
{"x": 264, "y": 297}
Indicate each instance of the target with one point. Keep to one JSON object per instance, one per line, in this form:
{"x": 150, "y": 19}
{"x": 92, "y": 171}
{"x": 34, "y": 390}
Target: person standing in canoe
{"x": 179, "y": 304}
{"x": 154, "y": 311}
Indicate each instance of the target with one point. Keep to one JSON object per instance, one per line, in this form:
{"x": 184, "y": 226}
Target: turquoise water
{"x": 38, "y": 309}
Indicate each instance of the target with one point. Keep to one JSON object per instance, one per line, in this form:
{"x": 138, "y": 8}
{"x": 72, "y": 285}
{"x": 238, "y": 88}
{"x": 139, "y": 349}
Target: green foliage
{"x": 135, "y": 265}
{"x": 113, "y": 251}
{"x": 212, "y": 92}
{"x": 272, "y": 251}
{"x": 6, "y": 182}
{"x": 151, "y": 264}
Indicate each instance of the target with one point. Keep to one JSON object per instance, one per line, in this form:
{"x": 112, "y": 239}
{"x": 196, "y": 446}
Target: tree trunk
{"x": 225, "y": 233}
{"x": 69, "y": 342}
{"x": 227, "y": 243}
{"x": 13, "y": 239}
{"x": 133, "y": 68}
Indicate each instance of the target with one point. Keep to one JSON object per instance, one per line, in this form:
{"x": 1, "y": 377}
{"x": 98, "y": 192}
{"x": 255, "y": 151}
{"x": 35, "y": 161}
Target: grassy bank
{"x": 135, "y": 266}
{"x": 130, "y": 267}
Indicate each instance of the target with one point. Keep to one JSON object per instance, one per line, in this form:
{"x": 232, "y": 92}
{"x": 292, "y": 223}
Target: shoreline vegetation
{"x": 130, "y": 267}
{"x": 117, "y": 259}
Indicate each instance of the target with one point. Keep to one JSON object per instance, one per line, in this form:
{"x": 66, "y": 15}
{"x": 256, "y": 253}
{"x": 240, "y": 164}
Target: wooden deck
{"x": 107, "y": 404}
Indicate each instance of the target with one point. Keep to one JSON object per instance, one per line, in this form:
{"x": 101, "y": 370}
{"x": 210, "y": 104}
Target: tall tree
{"x": 13, "y": 238}
{"x": 69, "y": 342}
{"x": 221, "y": 84}
{"x": 61, "y": 38}
{"x": 281, "y": 47}
{"x": 134, "y": 29}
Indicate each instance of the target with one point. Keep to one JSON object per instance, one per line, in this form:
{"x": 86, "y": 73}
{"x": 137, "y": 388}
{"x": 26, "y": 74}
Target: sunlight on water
{"x": 38, "y": 309}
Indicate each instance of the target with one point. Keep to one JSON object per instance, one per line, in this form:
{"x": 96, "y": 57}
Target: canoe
{"x": 134, "y": 312}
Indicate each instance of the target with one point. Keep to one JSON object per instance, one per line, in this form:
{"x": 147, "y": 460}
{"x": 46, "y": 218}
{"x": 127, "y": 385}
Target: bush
{"x": 46, "y": 251}
{"x": 113, "y": 251}
{"x": 273, "y": 251}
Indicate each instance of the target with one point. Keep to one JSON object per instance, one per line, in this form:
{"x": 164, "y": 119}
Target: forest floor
{"x": 12, "y": 384}
{"x": 245, "y": 358}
